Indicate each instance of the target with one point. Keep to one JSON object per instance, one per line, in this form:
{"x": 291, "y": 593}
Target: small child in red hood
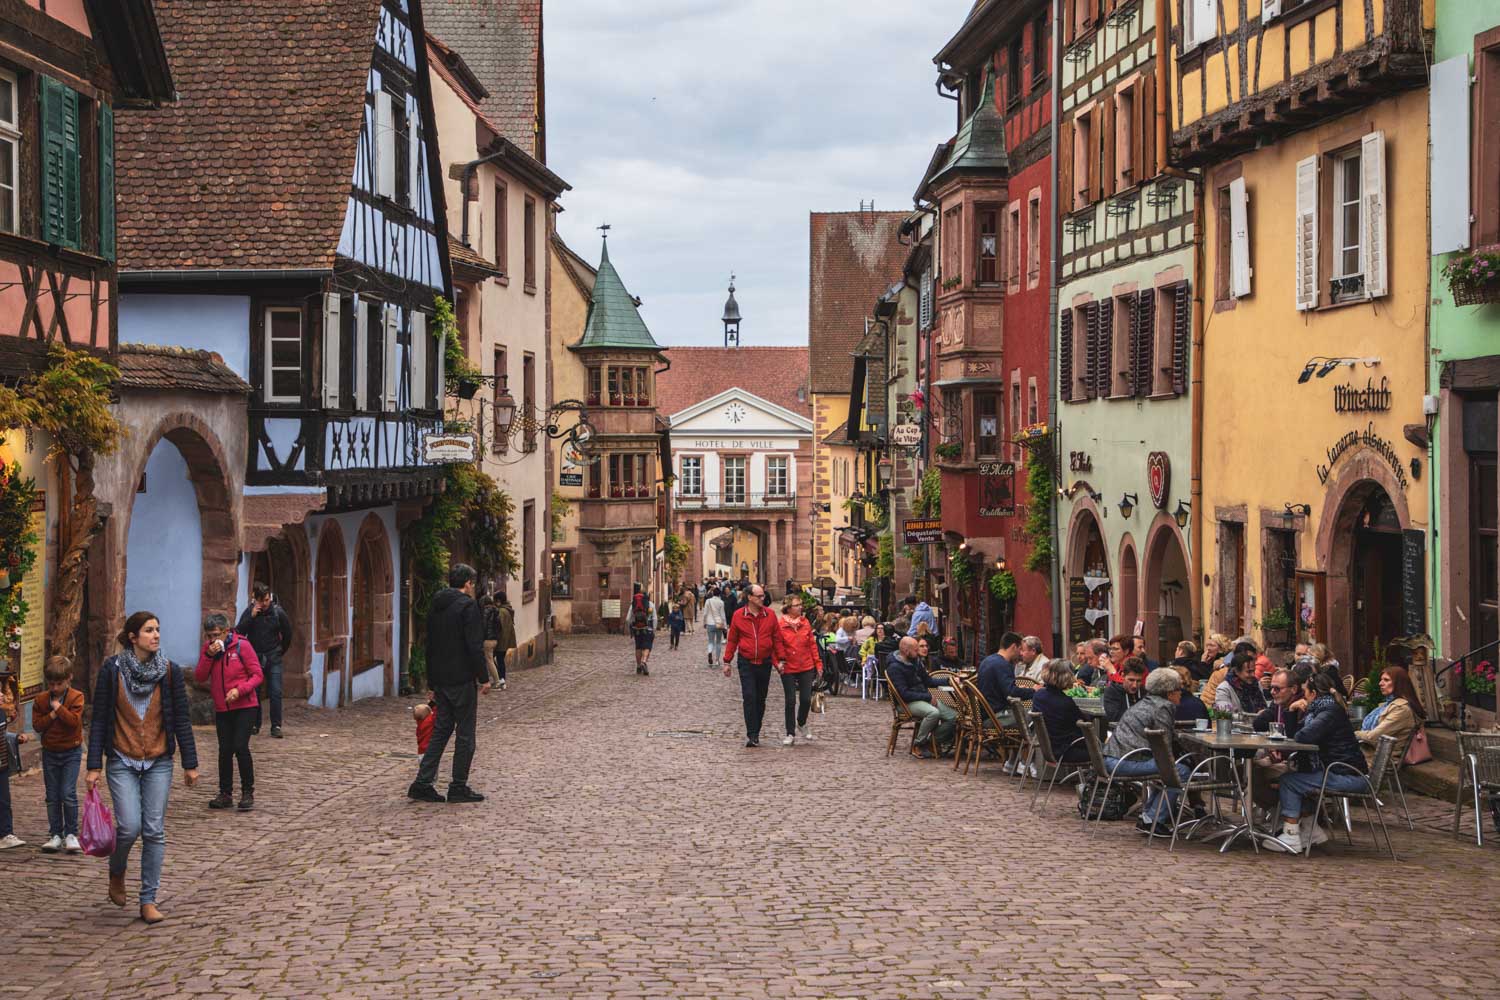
{"x": 426, "y": 716}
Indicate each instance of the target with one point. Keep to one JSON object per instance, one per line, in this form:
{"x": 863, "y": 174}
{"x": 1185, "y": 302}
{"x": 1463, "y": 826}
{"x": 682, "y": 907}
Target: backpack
{"x": 639, "y": 618}
{"x": 1109, "y": 807}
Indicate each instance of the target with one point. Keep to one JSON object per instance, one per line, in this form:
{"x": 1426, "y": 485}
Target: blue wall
{"x": 164, "y": 554}
{"x": 218, "y": 323}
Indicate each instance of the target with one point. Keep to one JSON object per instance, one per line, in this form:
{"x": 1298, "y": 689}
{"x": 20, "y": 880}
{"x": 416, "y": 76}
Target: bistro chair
{"x": 1096, "y": 758}
{"x": 1378, "y": 768}
{"x": 901, "y": 718}
{"x": 1038, "y": 727}
{"x": 991, "y": 732}
{"x": 964, "y": 727}
{"x": 1478, "y": 771}
{"x": 1027, "y": 683}
{"x": 1200, "y": 779}
{"x": 1026, "y": 760}
{"x": 1398, "y": 761}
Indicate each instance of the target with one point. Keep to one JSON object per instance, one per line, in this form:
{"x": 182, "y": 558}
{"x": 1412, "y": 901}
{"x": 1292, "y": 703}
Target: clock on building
{"x": 734, "y": 412}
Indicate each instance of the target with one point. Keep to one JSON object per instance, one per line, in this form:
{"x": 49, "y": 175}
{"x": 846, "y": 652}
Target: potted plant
{"x": 615, "y": 492}
{"x": 1277, "y": 626}
{"x": 1478, "y": 680}
{"x": 1474, "y": 277}
{"x": 593, "y": 399}
{"x": 1223, "y": 720}
{"x": 950, "y": 450}
{"x": 593, "y": 493}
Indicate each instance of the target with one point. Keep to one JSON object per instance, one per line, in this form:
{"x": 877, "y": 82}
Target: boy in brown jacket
{"x": 57, "y": 716}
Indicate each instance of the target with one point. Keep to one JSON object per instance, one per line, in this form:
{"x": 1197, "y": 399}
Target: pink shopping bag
{"x": 96, "y": 827}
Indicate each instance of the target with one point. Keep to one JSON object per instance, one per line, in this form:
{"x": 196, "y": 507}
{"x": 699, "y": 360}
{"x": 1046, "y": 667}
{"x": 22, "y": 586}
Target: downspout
{"x": 468, "y": 177}
{"x": 1055, "y": 425}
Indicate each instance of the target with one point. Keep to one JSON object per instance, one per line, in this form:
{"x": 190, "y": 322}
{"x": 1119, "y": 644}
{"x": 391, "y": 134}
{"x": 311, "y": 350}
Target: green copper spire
{"x": 980, "y": 144}
{"x": 614, "y": 321}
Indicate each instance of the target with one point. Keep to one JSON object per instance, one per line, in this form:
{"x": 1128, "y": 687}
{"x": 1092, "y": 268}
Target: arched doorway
{"x": 1370, "y": 556}
{"x": 1090, "y": 588}
{"x": 284, "y": 567}
{"x": 331, "y": 613}
{"x": 1166, "y": 596}
{"x": 374, "y": 600}
{"x": 1128, "y": 589}
{"x": 733, "y": 550}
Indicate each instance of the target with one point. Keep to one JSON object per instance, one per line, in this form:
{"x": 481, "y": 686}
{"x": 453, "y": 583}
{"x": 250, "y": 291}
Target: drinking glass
{"x": 1278, "y": 731}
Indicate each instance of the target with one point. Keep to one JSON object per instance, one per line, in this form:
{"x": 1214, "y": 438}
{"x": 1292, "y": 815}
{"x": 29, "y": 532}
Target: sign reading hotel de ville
{"x": 737, "y": 444}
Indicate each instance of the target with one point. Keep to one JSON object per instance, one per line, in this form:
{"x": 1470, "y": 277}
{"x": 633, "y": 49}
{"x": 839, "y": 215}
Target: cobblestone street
{"x": 616, "y": 859}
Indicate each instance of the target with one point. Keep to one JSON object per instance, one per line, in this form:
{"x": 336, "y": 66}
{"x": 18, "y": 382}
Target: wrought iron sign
{"x": 997, "y": 489}
{"x": 1080, "y": 461}
{"x": 1371, "y": 399}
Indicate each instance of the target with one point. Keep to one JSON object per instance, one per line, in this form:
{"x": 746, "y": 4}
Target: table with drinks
{"x": 1242, "y": 743}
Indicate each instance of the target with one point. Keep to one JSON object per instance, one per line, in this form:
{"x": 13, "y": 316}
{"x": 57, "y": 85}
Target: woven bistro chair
{"x": 1043, "y": 739}
{"x": 1479, "y": 772}
{"x": 1367, "y": 796}
{"x": 1096, "y": 758}
{"x": 966, "y": 725}
{"x": 1202, "y": 778}
{"x": 901, "y": 718}
{"x": 1026, "y": 762}
{"x": 993, "y": 734}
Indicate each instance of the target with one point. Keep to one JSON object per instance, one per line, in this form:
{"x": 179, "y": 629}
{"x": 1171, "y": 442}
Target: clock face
{"x": 734, "y": 412}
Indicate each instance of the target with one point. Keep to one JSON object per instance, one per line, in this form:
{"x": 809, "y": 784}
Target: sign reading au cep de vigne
{"x": 906, "y": 435}
{"x": 447, "y": 449}
{"x": 922, "y": 531}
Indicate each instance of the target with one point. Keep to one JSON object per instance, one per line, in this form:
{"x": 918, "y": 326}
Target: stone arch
{"x": 1164, "y": 543}
{"x": 1085, "y": 526}
{"x": 373, "y": 600}
{"x": 1127, "y": 586}
{"x": 285, "y": 565}
{"x": 331, "y": 609}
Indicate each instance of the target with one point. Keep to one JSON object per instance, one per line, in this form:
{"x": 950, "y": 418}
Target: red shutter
{"x": 1065, "y": 356}
{"x": 1143, "y": 341}
{"x": 1091, "y": 351}
{"x": 1182, "y": 318}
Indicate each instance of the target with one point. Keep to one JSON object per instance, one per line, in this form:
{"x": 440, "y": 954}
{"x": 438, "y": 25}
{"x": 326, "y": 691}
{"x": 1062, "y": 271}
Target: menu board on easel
{"x": 33, "y": 587}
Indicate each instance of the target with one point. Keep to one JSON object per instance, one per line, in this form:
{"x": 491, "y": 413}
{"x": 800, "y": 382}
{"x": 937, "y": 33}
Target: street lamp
{"x": 505, "y": 410}
{"x": 1128, "y": 503}
{"x": 1182, "y": 513}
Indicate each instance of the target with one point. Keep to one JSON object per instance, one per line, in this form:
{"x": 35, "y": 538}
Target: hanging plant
{"x": 1003, "y": 585}
{"x": 885, "y": 560}
{"x": 17, "y": 552}
{"x": 1038, "y": 527}
{"x": 1474, "y": 277}
{"x": 949, "y": 451}
{"x": 462, "y": 378}
{"x": 961, "y": 568}
{"x": 929, "y": 501}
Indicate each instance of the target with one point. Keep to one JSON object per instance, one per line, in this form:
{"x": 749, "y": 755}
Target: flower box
{"x": 1469, "y": 294}
{"x": 1474, "y": 277}
{"x": 614, "y": 399}
{"x": 593, "y": 399}
{"x": 593, "y": 493}
{"x": 614, "y": 493}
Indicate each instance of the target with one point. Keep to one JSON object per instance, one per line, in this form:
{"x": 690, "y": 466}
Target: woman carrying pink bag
{"x": 96, "y": 828}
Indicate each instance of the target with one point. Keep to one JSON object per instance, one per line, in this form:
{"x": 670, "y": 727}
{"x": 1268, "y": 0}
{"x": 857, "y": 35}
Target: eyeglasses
{"x": 1278, "y": 687}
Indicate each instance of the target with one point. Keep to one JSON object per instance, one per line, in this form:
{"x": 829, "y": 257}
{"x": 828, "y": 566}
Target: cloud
{"x": 705, "y": 131}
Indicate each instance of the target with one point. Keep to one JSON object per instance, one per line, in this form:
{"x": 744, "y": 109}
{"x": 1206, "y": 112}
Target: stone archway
{"x": 373, "y": 598}
{"x": 1127, "y": 589}
{"x": 331, "y": 612}
{"x": 1087, "y": 562}
{"x": 1166, "y": 592}
{"x": 286, "y": 567}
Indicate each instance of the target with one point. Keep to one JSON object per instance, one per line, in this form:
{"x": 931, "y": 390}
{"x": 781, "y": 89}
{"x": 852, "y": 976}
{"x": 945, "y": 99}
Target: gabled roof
{"x": 251, "y": 167}
{"x": 127, "y": 31}
{"x": 799, "y": 421}
{"x": 854, "y": 258}
{"x": 979, "y": 146}
{"x": 579, "y": 270}
{"x": 775, "y": 374}
{"x": 614, "y": 320}
{"x": 501, "y": 42}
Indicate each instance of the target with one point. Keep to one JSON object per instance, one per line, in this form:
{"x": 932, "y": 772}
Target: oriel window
{"x": 989, "y": 245}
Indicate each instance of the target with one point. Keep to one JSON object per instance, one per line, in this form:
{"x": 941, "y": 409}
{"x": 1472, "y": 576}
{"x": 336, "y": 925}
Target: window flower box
{"x": 593, "y": 399}
{"x": 630, "y": 492}
{"x": 593, "y": 493}
{"x": 614, "y": 399}
{"x": 615, "y": 493}
{"x": 1474, "y": 277}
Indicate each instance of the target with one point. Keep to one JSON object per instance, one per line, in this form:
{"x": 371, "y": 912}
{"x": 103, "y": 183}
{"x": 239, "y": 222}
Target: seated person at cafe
{"x": 1033, "y": 664}
{"x": 1221, "y": 669}
{"x": 1060, "y": 714}
{"x": 1120, "y": 695}
{"x": 1085, "y": 662}
{"x": 1121, "y": 648}
{"x": 1189, "y": 709}
{"x": 950, "y": 661}
{"x": 908, "y": 676}
{"x": 1240, "y": 691}
{"x": 997, "y": 677}
{"x": 1270, "y": 765}
{"x": 1325, "y": 724}
{"x": 1139, "y": 650}
{"x": 1157, "y": 710}
{"x": 1398, "y": 714}
{"x": 1187, "y": 656}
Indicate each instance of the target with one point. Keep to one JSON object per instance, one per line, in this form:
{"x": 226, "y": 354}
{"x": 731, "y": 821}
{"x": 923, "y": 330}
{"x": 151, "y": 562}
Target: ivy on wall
{"x": 17, "y": 552}
{"x": 1038, "y": 528}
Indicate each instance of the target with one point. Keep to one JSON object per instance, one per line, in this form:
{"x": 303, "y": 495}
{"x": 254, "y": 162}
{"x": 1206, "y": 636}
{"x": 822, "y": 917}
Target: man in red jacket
{"x": 755, "y": 636}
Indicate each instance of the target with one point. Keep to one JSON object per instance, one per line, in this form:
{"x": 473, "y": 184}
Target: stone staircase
{"x": 1438, "y": 778}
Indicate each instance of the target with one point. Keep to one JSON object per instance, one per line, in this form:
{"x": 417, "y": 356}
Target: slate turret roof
{"x": 614, "y": 320}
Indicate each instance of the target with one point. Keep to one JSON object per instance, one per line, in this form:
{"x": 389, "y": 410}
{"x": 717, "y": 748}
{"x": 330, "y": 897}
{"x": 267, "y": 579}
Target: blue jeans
{"x": 715, "y": 644}
{"x": 270, "y": 688}
{"x": 140, "y": 803}
{"x": 1299, "y": 785}
{"x": 7, "y": 822}
{"x": 1154, "y": 809}
{"x": 60, "y": 777}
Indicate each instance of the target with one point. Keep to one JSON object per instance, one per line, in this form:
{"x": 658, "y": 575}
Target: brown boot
{"x": 117, "y": 889}
{"x": 151, "y": 914}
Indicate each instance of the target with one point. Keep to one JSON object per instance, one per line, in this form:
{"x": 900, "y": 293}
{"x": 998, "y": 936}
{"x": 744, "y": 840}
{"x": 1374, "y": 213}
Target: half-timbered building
{"x": 1307, "y": 124}
{"x": 286, "y": 214}
{"x": 1125, "y": 305}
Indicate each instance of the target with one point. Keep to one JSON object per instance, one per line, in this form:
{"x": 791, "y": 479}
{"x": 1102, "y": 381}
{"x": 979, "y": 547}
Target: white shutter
{"x": 1372, "y": 213}
{"x": 1239, "y": 240}
{"x": 441, "y": 346}
{"x": 385, "y": 145}
{"x": 1307, "y": 234}
{"x": 1203, "y": 23}
{"x": 1449, "y": 114}
{"x": 332, "y": 346}
{"x": 392, "y": 354}
{"x": 418, "y": 354}
{"x": 1269, "y": 9}
{"x": 416, "y": 177}
{"x": 361, "y": 353}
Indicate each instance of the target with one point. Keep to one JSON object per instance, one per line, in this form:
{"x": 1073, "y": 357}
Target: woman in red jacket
{"x": 227, "y": 663}
{"x": 802, "y": 666}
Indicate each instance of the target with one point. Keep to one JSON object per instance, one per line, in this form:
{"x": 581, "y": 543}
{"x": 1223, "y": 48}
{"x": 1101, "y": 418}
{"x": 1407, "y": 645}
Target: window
{"x": 1479, "y": 421}
{"x": 1015, "y": 412}
{"x": 595, "y": 384}
{"x": 1041, "y": 56}
{"x": 595, "y": 478}
{"x": 1119, "y": 377}
{"x": 529, "y": 232}
{"x": 501, "y": 197}
{"x": 1032, "y": 412}
{"x": 1013, "y": 246}
{"x": 952, "y": 226}
{"x": 642, "y": 476}
{"x": 10, "y": 152}
{"x": 1013, "y": 72}
{"x": 1034, "y": 240}
{"x": 1229, "y": 612}
{"x": 642, "y": 386}
{"x": 777, "y": 480}
{"x": 1346, "y": 220}
{"x": 1201, "y": 22}
{"x": 283, "y": 356}
{"x": 502, "y": 387}
{"x": 989, "y": 244}
{"x": 374, "y": 354}
{"x": 1173, "y": 327}
{"x": 562, "y": 574}
{"x": 1125, "y": 138}
{"x": 1486, "y": 150}
{"x": 528, "y": 548}
{"x": 402, "y": 145}
{"x": 613, "y": 381}
{"x": 987, "y": 424}
{"x": 734, "y": 479}
{"x": 692, "y": 475}
{"x": 528, "y": 400}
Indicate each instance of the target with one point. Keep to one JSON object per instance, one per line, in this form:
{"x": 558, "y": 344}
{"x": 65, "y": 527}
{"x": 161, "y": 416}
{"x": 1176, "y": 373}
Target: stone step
{"x": 1443, "y": 743}
{"x": 1436, "y": 778}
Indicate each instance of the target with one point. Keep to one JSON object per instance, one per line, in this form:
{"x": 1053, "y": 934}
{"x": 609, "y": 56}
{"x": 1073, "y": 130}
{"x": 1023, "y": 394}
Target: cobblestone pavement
{"x": 617, "y": 859}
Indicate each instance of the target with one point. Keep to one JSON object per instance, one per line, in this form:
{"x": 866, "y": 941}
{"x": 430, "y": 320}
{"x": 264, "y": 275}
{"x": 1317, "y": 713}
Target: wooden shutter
{"x": 106, "y": 181}
{"x": 385, "y": 145}
{"x": 332, "y": 349}
{"x": 1143, "y": 342}
{"x": 1182, "y": 320}
{"x": 1269, "y": 9}
{"x": 361, "y": 352}
{"x": 441, "y": 388}
{"x": 62, "y": 201}
{"x": 415, "y": 169}
{"x": 390, "y": 373}
{"x": 1065, "y": 193}
{"x": 1146, "y": 167}
{"x": 1239, "y": 239}
{"x": 1372, "y": 213}
{"x": 1104, "y": 368}
{"x": 1065, "y": 355}
{"x": 1096, "y": 154}
{"x": 1307, "y": 234}
{"x": 1111, "y": 147}
{"x": 1091, "y": 351}
{"x": 418, "y": 354}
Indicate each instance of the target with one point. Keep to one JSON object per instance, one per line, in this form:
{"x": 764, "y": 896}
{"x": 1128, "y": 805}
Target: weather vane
{"x": 605, "y": 229}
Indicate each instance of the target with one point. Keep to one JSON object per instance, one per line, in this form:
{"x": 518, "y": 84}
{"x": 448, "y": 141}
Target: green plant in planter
{"x": 950, "y": 450}
{"x": 1002, "y": 585}
{"x": 961, "y": 568}
{"x": 1277, "y": 619}
{"x": 929, "y": 500}
{"x": 885, "y": 559}
{"x": 1216, "y": 713}
{"x": 17, "y": 553}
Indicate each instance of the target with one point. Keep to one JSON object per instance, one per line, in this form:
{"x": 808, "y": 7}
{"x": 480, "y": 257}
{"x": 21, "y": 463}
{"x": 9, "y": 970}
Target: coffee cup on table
{"x": 1201, "y": 725}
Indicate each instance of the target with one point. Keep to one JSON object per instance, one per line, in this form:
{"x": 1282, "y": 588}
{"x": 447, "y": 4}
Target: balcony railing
{"x": 741, "y": 500}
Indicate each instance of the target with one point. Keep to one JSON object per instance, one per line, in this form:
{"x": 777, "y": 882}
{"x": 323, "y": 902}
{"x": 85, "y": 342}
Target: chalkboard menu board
{"x": 1078, "y": 603}
{"x": 1414, "y": 582}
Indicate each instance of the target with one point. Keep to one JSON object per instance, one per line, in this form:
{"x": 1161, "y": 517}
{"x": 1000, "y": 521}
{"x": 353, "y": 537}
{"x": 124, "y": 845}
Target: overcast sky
{"x": 705, "y": 131}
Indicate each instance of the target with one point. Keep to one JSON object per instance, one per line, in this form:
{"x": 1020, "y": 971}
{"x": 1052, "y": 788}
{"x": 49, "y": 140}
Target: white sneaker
{"x": 787, "y": 740}
{"x": 11, "y": 840}
{"x": 72, "y": 845}
{"x": 1289, "y": 842}
{"x": 1308, "y": 829}
{"x": 53, "y": 845}
{"x": 806, "y": 733}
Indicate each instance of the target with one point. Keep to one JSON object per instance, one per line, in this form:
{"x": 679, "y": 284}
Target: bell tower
{"x": 731, "y": 318}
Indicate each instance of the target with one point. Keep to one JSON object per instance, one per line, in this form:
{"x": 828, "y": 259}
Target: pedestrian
{"x": 715, "y": 623}
{"x": 676, "y": 621}
{"x": 506, "y": 645}
{"x": 731, "y": 601}
{"x": 57, "y": 717}
{"x": 269, "y": 630}
{"x": 801, "y": 665}
{"x": 10, "y": 757}
{"x": 491, "y": 616}
{"x": 227, "y": 664}
{"x": 457, "y": 675}
{"x": 425, "y": 716}
{"x": 756, "y": 639}
{"x": 140, "y": 717}
{"x": 642, "y": 630}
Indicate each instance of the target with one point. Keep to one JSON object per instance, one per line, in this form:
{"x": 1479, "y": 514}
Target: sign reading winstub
{"x": 922, "y": 531}
{"x": 447, "y": 449}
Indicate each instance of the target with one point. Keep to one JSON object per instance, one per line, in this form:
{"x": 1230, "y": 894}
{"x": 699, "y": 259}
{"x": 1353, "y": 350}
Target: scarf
{"x": 140, "y": 677}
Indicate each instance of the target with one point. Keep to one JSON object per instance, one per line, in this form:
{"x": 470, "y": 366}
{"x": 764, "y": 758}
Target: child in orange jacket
{"x": 57, "y": 717}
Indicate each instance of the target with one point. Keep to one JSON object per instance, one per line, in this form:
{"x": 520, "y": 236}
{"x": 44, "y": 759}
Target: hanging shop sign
{"x": 570, "y": 479}
{"x": 1371, "y": 399}
{"x": 1158, "y": 478}
{"x": 447, "y": 449}
{"x": 997, "y": 489}
{"x": 906, "y": 435}
{"x": 922, "y": 530}
{"x": 1080, "y": 461}
{"x": 1370, "y": 439}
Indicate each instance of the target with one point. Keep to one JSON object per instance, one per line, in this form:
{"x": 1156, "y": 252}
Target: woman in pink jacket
{"x": 802, "y": 666}
{"x": 228, "y": 665}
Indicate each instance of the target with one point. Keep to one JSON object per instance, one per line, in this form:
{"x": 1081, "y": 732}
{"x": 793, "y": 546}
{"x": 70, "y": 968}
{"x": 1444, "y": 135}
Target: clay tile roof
{"x": 698, "y": 373}
{"x": 466, "y": 259}
{"x": 251, "y": 167}
{"x": 171, "y": 369}
{"x": 839, "y": 435}
{"x": 854, "y": 257}
{"x": 501, "y": 42}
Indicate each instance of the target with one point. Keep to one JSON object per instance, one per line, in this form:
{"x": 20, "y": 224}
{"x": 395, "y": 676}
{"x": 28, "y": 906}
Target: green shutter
{"x": 62, "y": 214}
{"x": 106, "y": 182}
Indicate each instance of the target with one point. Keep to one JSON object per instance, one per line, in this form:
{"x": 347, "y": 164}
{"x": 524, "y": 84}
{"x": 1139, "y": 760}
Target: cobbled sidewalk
{"x": 632, "y": 848}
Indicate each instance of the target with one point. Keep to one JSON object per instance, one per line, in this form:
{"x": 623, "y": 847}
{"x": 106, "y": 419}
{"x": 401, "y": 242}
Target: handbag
{"x": 1417, "y": 751}
{"x": 1109, "y": 807}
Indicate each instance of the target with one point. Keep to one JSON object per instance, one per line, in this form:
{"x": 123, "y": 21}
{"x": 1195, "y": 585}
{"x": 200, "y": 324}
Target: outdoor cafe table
{"x": 1241, "y": 746}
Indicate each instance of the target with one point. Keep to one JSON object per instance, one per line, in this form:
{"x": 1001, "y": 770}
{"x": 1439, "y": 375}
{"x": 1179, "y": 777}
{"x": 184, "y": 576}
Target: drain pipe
{"x": 468, "y": 177}
{"x": 1055, "y": 428}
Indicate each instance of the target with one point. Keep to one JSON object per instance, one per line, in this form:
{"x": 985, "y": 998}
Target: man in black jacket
{"x": 270, "y": 633}
{"x": 1118, "y": 697}
{"x": 457, "y": 674}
